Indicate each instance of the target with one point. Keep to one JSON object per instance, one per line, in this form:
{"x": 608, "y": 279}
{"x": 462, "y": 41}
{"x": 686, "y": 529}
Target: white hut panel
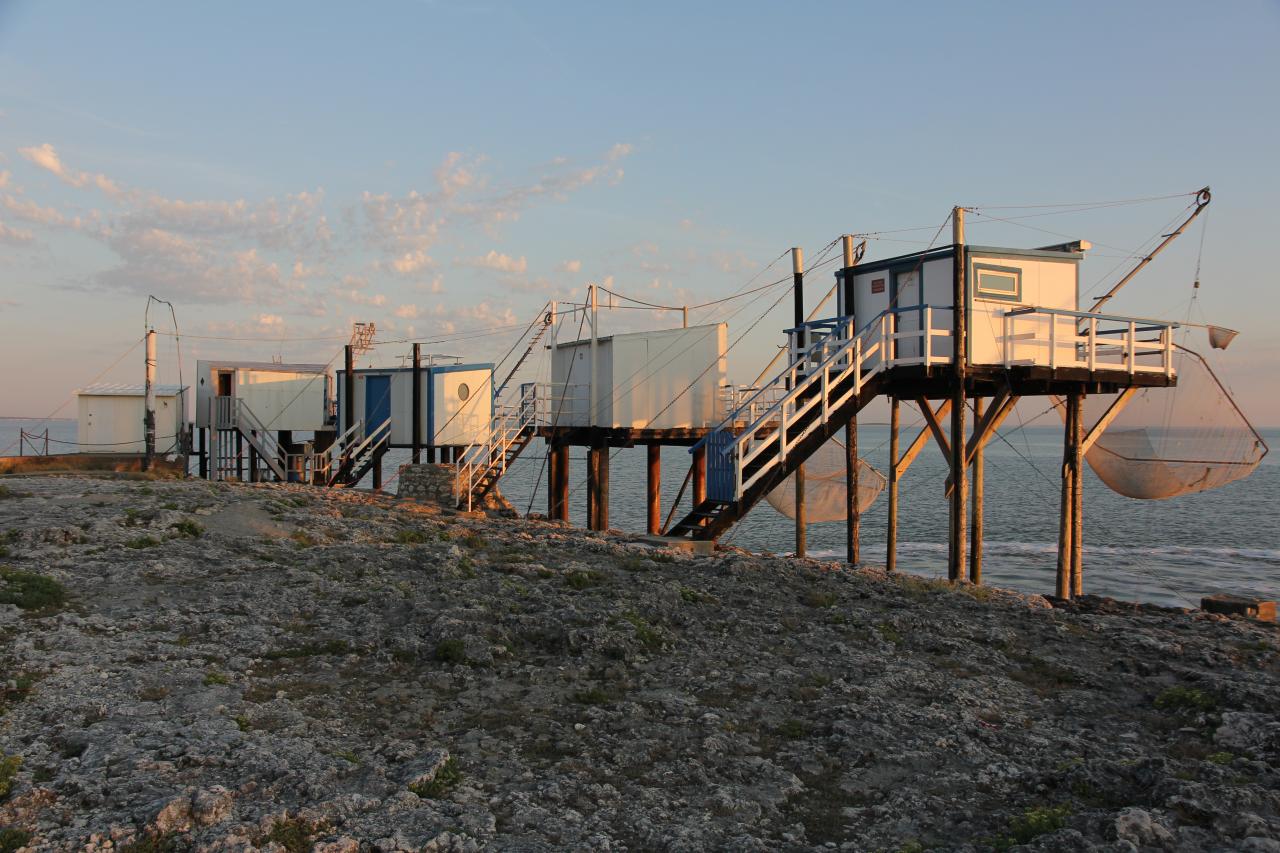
{"x": 111, "y": 418}
{"x": 667, "y": 379}
{"x": 281, "y": 396}
{"x": 456, "y": 402}
{"x": 997, "y": 281}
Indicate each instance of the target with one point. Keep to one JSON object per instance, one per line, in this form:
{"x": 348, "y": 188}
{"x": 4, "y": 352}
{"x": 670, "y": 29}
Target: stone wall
{"x": 435, "y": 484}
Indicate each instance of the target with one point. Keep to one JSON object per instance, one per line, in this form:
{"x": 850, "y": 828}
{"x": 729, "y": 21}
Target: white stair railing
{"x": 490, "y": 456}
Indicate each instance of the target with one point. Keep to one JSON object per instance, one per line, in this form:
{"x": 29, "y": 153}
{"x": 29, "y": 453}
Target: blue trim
{"x": 997, "y": 295}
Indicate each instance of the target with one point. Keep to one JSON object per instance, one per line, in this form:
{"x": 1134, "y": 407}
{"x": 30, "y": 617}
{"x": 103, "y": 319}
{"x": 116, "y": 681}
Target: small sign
{"x": 877, "y": 285}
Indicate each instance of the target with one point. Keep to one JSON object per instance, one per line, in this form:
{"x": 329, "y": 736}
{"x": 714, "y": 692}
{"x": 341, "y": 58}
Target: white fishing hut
{"x": 111, "y": 418}
{"x": 456, "y": 402}
{"x": 1045, "y": 283}
{"x": 662, "y": 380}
{"x": 281, "y": 396}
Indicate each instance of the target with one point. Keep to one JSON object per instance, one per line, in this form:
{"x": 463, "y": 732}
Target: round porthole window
{"x": 464, "y": 391}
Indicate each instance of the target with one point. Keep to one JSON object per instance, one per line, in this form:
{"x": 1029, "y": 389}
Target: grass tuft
{"x": 451, "y": 651}
{"x": 30, "y": 591}
{"x": 9, "y": 765}
{"x": 142, "y": 542}
{"x": 188, "y": 528}
{"x": 1185, "y": 699}
{"x": 12, "y": 840}
{"x": 448, "y": 775}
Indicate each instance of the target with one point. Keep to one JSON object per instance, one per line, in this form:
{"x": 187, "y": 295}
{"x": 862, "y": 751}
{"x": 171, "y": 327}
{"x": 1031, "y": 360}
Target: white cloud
{"x": 407, "y": 312}
{"x": 15, "y": 236}
{"x": 494, "y": 260}
{"x": 4, "y": 179}
{"x": 569, "y": 266}
{"x": 46, "y": 157}
{"x": 412, "y": 262}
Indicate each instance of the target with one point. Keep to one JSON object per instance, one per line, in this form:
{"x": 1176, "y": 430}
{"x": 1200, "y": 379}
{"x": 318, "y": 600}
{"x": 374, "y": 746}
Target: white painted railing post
{"x": 1093, "y": 343}
{"x": 1167, "y": 336}
{"x": 1008, "y": 343}
{"x": 1133, "y": 354}
{"x": 1053, "y": 341}
{"x": 926, "y": 346}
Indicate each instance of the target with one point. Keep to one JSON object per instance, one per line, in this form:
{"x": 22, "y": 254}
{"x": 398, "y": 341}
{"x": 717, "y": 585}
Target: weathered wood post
{"x": 797, "y": 278}
{"x": 976, "y": 511}
{"x": 348, "y": 387}
{"x": 553, "y": 461}
{"x": 1066, "y": 537}
{"x": 960, "y": 493}
{"x": 1077, "y": 498}
{"x": 149, "y": 403}
{"x": 654, "y": 491}
{"x": 852, "y": 476}
{"x": 417, "y": 404}
{"x": 202, "y": 453}
{"x": 699, "y": 475}
{"x": 602, "y": 489}
{"x": 895, "y": 458}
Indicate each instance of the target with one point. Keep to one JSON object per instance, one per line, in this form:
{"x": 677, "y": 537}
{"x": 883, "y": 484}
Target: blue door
{"x": 377, "y": 401}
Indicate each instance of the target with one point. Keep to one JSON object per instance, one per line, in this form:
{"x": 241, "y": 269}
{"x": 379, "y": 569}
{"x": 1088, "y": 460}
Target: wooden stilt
{"x": 593, "y": 485}
{"x": 560, "y": 488}
{"x": 891, "y": 533}
{"x": 203, "y": 454}
{"x": 959, "y": 354}
{"x": 853, "y": 515}
{"x": 1077, "y": 499}
{"x": 239, "y": 456}
{"x": 976, "y": 511}
{"x": 377, "y": 472}
{"x": 1065, "y": 536}
{"x": 602, "y": 489}
{"x": 699, "y": 475}
{"x": 654, "y": 491}
{"x": 417, "y": 404}
{"x": 553, "y": 460}
{"x": 802, "y": 544}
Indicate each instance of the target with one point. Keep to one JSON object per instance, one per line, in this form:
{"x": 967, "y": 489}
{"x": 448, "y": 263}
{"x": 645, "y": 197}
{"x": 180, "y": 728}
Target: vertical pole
{"x": 1065, "y": 535}
{"x": 891, "y": 534}
{"x": 239, "y": 456}
{"x": 960, "y": 494}
{"x": 591, "y": 488}
{"x": 377, "y": 472}
{"x": 149, "y": 412}
{"x": 349, "y": 388}
{"x": 591, "y": 408}
{"x": 602, "y": 489}
{"x": 417, "y": 404}
{"x": 203, "y": 454}
{"x": 699, "y": 476}
{"x": 654, "y": 492}
{"x": 684, "y": 321}
{"x": 1077, "y": 499}
{"x": 852, "y": 475}
{"x": 562, "y": 487}
{"x": 976, "y": 511}
{"x": 553, "y": 475}
{"x": 797, "y": 277}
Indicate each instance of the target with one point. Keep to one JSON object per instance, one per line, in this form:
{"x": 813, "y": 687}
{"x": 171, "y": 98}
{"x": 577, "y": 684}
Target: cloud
{"x": 407, "y": 312}
{"x": 569, "y": 266}
{"x": 15, "y": 236}
{"x": 496, "y": 261}
{"x": 4, "y": 179}
{"x": 46, "y": 157}
{"x": 412, "y": 262}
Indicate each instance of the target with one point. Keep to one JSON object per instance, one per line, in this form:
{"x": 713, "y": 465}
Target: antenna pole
{"x": 797, "y": 276}
{"x": 1202, "y": 201}
{"x": 959, "y": 353}
{"x": 149, "y": 413}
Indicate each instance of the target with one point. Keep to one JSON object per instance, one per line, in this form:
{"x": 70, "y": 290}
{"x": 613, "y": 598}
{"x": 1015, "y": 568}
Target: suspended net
{"x": 825, "y": 494}
{"x": 1174, "y": 441}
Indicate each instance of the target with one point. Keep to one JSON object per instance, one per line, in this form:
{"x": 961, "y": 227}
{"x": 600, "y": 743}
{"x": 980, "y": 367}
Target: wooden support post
{"x": 417, "y": 404}
{"x": 553, "y": 460}
{"x": 654, "y": 491}
{"x": 560, "y": 486}
{"x": 797, "y": 278}
{"x": 959, "y": 474}
{"x": 976, "y": 511}
{"x": 853, "y": 515}
{"x": 699, "y": 476}
{"x": 1066, "y": 537}
{"x": 602, "y": 489}
{"x": 239, "y": 456}
{"x": 253, "y": 464}
{"x": 377, "y": 472}
{"x": 349, "y": 389}
{"x": 891, "y": 533}
{"x": 431, "y": 454}
{"x": 1077, "y": 499}
{"x": 203, "y": 453}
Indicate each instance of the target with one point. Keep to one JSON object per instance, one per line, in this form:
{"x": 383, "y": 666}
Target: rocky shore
{"x": 197, "y": 666}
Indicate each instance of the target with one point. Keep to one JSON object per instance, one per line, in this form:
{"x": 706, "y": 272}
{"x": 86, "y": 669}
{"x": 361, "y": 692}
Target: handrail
{"x": 1065, "y": 312}
{"x": 1119, "y": 348}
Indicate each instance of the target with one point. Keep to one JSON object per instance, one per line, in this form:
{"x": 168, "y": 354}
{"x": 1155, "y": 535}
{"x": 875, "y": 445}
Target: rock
{"x": 211, "y": 805}
{"x": 174, "y": 816}
{"x": 1141, "y": 830}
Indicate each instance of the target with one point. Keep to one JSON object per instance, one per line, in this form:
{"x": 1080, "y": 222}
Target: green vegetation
{"x": 473, "y": 540}
{"x": 7, "y": 493}
{"x": 446, "y": 778}
{"x": 151, "y": 843}
{"x": 410, "y": 536}
{"x": 1223, "y": 758}
{"x": 1031, "y": 824}
{"x": 13, "y": 839}
{"x": 213, "y": 677}
{"x": 592, "y": 696}
{"x": 188, "y": 528}
{"x": 1185, "y": 699}
{"x": 303, "y": 539}
{"x": 294, "y": 835}
{"x": 818, "y": 598}
{"x": 693, "y": 596}
{"x": 328, "y": 647}
{"x": 30, "y": 591}
{"x": 9, "y": 765}
{"x": 451, "y": 651}
{"x": 793, "y": 729}
{"x": 649, "y": 636}
{"x": 583, "y": 579}
{"x": 889, "y": 633}
{"x": 142, "y": 542}
{"x": 347, "y": 755}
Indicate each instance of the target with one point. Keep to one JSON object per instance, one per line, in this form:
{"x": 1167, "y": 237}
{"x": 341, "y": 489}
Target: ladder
{"x": 533, "y": 342}
{"x": 231, "y": 417}
{"x": 356, "y": 452}
{"x": 482, "y": 464}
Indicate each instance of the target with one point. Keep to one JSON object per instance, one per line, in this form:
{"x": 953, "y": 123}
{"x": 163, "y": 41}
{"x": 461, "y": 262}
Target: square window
{"x": 998, "y": 282}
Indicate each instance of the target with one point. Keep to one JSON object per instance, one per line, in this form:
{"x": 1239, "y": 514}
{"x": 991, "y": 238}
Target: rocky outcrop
{"x": 274, "y": 667}
{"x": 437, "y": 484}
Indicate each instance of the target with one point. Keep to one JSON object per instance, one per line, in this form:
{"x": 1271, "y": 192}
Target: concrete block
{"x": 1236, "y": 605}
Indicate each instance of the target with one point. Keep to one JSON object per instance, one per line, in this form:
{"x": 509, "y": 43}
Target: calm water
{"x": 1169, "y": 552}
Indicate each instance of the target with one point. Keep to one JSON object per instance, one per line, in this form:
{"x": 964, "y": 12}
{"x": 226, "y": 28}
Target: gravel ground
{"x": 272, "y": 667}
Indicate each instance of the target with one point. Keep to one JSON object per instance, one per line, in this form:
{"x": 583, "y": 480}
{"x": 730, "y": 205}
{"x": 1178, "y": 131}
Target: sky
{"x": 279, "y": 171}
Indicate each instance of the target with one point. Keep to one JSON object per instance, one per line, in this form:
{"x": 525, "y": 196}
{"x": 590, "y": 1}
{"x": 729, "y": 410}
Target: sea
{"x": 1169, "y": 552}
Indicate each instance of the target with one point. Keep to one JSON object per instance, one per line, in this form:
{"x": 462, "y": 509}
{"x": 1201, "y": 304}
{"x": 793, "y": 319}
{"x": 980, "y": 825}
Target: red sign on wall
{"x": 877, "y": 285}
